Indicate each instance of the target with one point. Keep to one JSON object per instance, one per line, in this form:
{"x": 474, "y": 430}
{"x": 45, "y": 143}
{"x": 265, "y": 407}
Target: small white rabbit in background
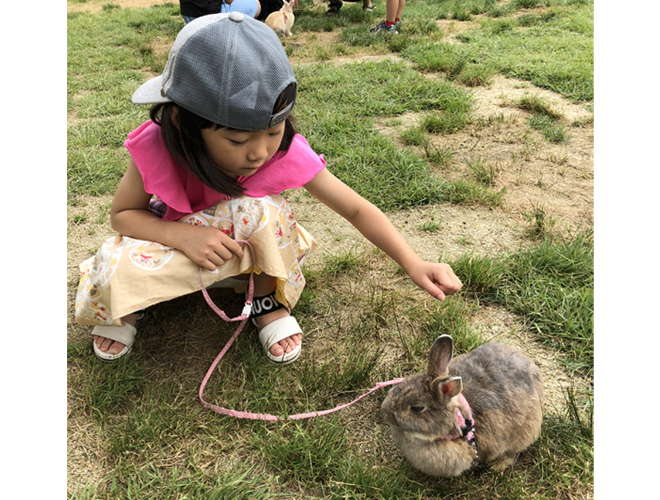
{"x": 282, "y": 20}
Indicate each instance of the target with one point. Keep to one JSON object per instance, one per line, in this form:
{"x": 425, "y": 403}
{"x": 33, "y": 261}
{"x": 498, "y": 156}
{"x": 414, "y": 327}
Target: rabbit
{"x": 495, "y": 387}
{"x": 282, "y": 20}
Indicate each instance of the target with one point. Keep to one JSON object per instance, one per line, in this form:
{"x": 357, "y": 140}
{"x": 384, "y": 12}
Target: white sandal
{"x": 124, "y": 334}
{"x": 276, "y": 330}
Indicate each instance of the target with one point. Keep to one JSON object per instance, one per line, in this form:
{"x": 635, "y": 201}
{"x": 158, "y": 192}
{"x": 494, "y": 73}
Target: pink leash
{"x": 243, "y": 319}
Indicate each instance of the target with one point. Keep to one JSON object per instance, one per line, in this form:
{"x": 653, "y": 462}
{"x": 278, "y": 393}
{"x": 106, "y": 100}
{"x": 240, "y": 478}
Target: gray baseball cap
{"x": 227, "y": 68}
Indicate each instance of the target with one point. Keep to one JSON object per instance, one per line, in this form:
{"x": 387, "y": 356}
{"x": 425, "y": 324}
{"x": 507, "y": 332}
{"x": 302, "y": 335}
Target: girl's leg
{"x": 264, "y": 285}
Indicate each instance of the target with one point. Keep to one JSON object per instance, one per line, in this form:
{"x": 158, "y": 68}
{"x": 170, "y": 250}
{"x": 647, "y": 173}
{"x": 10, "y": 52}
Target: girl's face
{"x": 240, "y": 153}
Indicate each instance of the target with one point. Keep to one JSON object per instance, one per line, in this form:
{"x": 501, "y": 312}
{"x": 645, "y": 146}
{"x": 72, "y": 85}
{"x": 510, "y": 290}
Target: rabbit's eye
{"x": 417, "y": 409}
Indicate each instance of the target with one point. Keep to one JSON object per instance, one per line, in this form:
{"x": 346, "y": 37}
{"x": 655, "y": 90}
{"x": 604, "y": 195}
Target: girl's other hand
{"x": 437, "y": 279}
{"x": 207, "y": 246}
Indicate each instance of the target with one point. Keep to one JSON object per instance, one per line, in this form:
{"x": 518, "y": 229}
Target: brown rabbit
{"x": 495, "y": 387}
{"x": 282, "y": 20}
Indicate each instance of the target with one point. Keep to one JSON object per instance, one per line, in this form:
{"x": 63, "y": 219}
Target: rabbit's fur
{"x": 282, "y": 20}
{"x": 504, "y": 391}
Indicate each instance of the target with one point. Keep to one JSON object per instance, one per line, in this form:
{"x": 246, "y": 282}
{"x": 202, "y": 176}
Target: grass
{"x": 545, "y": 119}
{"x": 550, "y": 287}
{"x": 531, "y": 51}
{"x": 552, "y": 49}
{"x": 161, "y": 442}
{"x": 151, "y": 438}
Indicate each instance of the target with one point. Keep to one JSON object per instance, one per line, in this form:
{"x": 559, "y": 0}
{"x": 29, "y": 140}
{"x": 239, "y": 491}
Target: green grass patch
{"x": 545, "y": 119}
{"x": 552, "y": 49}
{"x": 551, "y": 130}
{"x": 556, "y": 54}
{"x": 109, "y": 55}
{"x": 550, "y": 286}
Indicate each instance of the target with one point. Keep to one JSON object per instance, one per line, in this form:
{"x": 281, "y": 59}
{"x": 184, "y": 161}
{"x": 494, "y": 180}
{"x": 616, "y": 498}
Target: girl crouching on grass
{"x": 207, "y": 170}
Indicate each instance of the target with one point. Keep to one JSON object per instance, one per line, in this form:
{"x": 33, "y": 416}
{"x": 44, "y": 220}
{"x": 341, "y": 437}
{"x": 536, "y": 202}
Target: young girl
{"x": 207, "y": 170}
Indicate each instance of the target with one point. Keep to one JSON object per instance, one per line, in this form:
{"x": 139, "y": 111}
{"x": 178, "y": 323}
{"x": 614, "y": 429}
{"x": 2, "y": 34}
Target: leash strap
{"x": 243, "y": 320}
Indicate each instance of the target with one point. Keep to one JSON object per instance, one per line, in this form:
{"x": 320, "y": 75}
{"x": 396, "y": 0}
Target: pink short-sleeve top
{"x": 183, "y": 193}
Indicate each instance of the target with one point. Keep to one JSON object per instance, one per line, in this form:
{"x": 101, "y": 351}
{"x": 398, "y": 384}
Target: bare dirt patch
{"x": 534, "y": 174}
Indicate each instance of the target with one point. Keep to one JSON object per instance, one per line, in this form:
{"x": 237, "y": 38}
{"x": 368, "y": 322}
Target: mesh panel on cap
{"x": 231, "y": 73}
{"x": 189, "y": 30}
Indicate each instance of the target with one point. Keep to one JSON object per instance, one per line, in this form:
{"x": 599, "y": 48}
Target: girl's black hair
{"x": 183, "y": 138}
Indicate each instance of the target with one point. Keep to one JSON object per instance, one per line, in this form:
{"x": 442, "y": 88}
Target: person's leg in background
{"x": 394, "y": 11}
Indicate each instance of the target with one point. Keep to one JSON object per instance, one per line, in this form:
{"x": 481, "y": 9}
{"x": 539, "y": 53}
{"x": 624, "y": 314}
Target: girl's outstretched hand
{"x": 437, "y": 279}
{"x": 206, "y": 246}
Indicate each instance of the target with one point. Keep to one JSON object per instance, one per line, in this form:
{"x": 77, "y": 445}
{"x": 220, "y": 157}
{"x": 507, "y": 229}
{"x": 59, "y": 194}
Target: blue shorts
{"x": 247, "y": 7}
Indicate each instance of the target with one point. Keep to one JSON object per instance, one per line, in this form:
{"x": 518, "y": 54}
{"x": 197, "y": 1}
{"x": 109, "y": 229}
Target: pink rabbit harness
{"x": 466, "y": 423}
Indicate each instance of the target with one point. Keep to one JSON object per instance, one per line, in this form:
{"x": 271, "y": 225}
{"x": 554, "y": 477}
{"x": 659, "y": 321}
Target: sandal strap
{"x": 124, "y": 333}
{"x": 278, "y": 330}
{"x": 264, "y": 305}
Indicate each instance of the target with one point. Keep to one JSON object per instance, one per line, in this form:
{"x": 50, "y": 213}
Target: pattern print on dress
{"x": 149, "y": 255}
{"x": 96, "y": 311}
{"x": 194, "y": 220}
{"x": 95, "y": 273}
{"x": 250, "y": 215}
{"x": 296, "y": 278}
{"x": 104, "y": 264}
{"x": 295, "y": 275}
{"x": 284, "y": 226}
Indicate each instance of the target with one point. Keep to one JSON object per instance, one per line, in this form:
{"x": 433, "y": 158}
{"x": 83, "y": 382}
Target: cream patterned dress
{"x": 127, "y": 275}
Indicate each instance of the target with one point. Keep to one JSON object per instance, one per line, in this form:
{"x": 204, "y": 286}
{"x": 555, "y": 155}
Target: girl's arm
{"x": 437, "y": 279}
{"x": 130, "y": 216}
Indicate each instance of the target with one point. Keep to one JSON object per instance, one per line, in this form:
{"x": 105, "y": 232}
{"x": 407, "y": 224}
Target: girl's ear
{"x": 175, "y": 116}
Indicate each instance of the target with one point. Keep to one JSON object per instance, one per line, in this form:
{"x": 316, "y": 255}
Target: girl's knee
{"x": 251, "y": 215}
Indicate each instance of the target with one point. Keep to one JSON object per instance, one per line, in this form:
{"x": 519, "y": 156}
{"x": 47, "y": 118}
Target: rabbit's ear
{"x": 441, "y": 353}
{"x": 447, "y": 387}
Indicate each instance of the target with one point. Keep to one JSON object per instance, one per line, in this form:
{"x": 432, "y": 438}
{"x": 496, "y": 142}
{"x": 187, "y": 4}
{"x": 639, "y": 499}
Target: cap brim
{"x": 149, "y": 92}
